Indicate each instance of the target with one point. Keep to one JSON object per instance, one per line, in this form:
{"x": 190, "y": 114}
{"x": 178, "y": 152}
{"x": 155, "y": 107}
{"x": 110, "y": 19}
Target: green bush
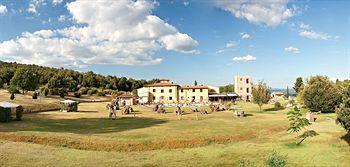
{"x": 19, "y": 113}
{"x": 246, "y": 163}
{"x": 54, "y": 91}
{"x": 5, "y": 114}
{"x": 101, "y": 93}
{"x": 278, "y": 106}
{"x": 12, "y": 97}
{"x": 35, "y": 95}
{"x": 92, "y": 91}
{"x": 77, "y": 94}
{"x": 276, "y": 160}
{"x": 44, "y": 91}
{"x": 83, "y": 90}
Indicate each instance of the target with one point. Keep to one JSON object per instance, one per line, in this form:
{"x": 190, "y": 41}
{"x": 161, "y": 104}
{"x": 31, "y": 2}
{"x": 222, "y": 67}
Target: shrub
{"x": 35, "y": 95}
{"x": 19, "y": 113}
{"x": 54, "y": 91}
{"x": 83, "y": 90}
{"x": 77, "y": 94}
{"x": 101, "y": 93}
{"x": 44, "y": 91}
{"x": 92, "y": 91}
{"x": 343, "y": 117}
{"x": 246, "y": 163}
{"x": 62, "y": 94}
{"x": 12, "y": 96}
{"x": 278, "y": 106}
{"x": 5, "y": 114}
{"x": 276, "y": 160}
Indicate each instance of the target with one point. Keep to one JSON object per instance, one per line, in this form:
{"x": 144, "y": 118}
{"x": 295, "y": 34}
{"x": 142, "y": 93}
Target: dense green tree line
{"x": 31, "y": 77}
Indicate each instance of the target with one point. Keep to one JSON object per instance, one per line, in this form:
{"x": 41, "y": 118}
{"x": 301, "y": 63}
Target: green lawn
{"x": 88, "y": 138}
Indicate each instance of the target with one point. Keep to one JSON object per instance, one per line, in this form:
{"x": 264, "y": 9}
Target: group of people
{"x": 114, "y": 106}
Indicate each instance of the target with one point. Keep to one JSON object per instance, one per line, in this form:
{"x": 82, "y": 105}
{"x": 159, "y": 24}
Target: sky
{"x": 210, "y": 41}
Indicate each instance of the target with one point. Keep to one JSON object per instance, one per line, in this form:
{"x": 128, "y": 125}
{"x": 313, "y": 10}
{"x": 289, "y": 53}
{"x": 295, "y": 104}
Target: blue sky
{"x": 208, "y": 41}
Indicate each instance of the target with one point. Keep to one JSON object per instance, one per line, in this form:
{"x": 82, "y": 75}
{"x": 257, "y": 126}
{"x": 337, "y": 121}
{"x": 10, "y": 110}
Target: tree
{"x": 287, "y": 94}
{"x": 12, "y": 96}
{"x": 195, "y": 82}
{"x": 343, "y": 112}
{"x": 321, "y": 94}
{"x": 227, "y": 88}
{"x": 25, "y": 79}
{"x": 261, "y": 95}
{"x": 297, "y": 123}
{"x": 298, "y": 84}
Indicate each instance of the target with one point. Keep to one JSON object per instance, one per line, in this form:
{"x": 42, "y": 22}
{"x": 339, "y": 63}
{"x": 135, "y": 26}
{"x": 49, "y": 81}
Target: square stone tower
{"x": 244, "y": 87}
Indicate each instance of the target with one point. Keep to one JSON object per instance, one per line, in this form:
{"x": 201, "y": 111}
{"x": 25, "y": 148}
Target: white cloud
{"x": 3, "y": 9}
{"x": 55, "y": 2}
{"x": 244, "y": 35}
{"x": 229, "y": 46}
{"x": 292, "y": 49}
{"x": 271, "y": 13}
{"x": 33, "y": 4}
{"x": 114, "y": 32}
{"x": 62, "y": 18}
{"x": 305, "y": 31}
{"x": 220, "y": 51}
{"x": 186, "y": 3}
{"x": 314, "y": 35}
{"x": 245, "y": 58}
{"x": 305, "y": 26}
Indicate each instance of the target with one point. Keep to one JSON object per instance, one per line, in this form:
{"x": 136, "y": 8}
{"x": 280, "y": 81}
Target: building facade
{"x": 169, "y": 92}
{"x": 244, "y": 87}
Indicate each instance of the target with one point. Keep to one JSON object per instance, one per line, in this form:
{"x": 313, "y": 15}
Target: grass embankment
{"x": 151, "y": 139}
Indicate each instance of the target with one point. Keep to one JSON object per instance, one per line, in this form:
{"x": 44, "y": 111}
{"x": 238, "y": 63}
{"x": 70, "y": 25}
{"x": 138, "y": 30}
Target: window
{"x": 170, "y": 98}
{"x": 201, "y": 90}
{"x": 193, "y": 97}
{"x": 201, "y": 98}
{"x": 182, "y": 98}
{"x": 193, "y": 90}
{"x": 247, "y": 80}
{"x": 170, "y": 90}
{"x": 241, "y": 88}
{"x": 182, "y": 90}
{"x": 162, "y": 91}
{"x": 241, "y": 79}
{"x": 247, "y": 90}
{"x": 154, "y": 90}
{"x": 154, "y": 97}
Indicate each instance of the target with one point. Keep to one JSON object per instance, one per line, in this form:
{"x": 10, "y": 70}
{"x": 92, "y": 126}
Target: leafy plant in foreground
{"x": 297, "y": 123}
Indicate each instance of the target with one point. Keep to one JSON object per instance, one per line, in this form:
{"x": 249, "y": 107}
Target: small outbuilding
{"x": 69, "y": 106}
{"x": 7, "y": 110}
{"x": 127, "y": 99}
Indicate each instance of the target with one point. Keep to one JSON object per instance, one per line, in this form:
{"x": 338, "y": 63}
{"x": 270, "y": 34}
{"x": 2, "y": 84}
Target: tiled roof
{"x": 125, "y": 95}
{"x": 162, "y": 84}
{"x": 195, "y": 87}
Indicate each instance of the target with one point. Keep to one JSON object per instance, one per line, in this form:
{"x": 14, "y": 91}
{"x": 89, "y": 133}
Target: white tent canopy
{"x": 68, "y": 101}
{"x": 8, "y": 104}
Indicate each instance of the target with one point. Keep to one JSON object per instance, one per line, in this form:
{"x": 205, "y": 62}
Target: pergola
{"x": 223, "y": 97}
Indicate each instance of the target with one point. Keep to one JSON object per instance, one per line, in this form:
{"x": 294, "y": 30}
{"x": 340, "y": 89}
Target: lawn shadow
{"x": 88, "y": 111}
{"x": 274, "y": 109}
{"x": 346, "y": 138}
{"x": 83, "y": 125}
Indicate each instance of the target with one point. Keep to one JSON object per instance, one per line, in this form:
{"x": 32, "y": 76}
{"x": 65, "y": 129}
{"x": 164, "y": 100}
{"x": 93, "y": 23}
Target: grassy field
{"x": 88, "y": 138}
{"x": 44, "y": 103}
